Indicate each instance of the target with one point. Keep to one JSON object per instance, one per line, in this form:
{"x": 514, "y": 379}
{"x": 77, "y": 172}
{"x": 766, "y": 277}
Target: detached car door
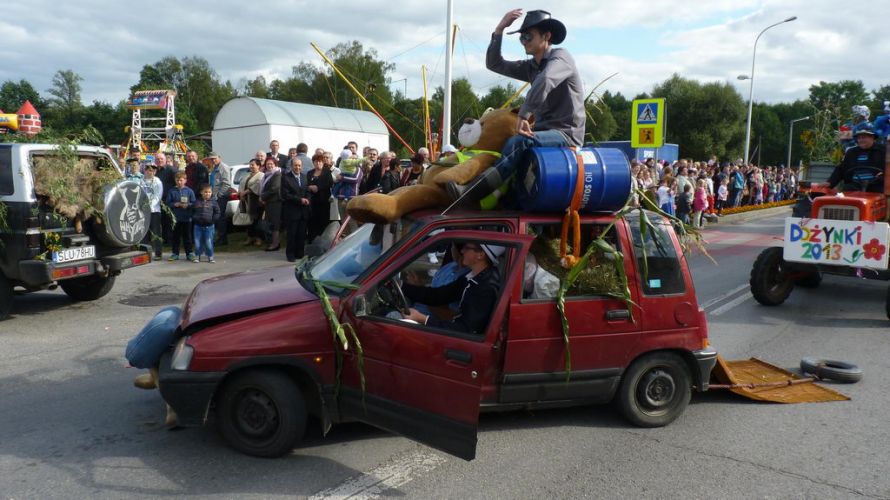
{"x": 424, "y": 382}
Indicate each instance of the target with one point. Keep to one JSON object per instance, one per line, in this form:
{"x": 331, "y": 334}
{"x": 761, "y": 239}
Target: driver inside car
{"x": 863, "y": 164}
{"x": 476, "y": 292}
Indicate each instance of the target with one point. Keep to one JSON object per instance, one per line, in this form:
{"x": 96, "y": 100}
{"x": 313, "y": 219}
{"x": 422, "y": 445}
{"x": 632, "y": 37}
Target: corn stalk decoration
{"x": 338, "y": 330}
{"x": 602, "y": 249}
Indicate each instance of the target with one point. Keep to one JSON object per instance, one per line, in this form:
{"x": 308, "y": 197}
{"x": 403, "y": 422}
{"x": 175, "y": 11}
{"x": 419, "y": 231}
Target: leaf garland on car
{"x": 601, "y": 248}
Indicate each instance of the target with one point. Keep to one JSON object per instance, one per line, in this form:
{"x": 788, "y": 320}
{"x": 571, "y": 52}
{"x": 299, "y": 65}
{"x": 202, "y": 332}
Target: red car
{"x": 256, "y": 353}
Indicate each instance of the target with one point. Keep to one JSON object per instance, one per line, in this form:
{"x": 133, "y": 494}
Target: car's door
{"x": 602, "y": 329}
{"x": 424, "y": 382}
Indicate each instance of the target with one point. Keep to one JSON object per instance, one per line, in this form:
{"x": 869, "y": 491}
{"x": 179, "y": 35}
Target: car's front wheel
{"x": 262, "y": 413}
{"x": 655, "y": 390}
{"x": 88, "y": 288}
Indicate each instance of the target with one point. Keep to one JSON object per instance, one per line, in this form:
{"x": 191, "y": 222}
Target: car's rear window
{"x": 6, "y": 170}
{"x": 661, "y": 273}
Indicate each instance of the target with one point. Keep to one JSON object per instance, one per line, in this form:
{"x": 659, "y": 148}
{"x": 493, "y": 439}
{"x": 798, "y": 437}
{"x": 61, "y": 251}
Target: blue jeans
{"x": 146, "y": 348}
{"x": 516, "y": 146}
{"x": 204, "y": 240}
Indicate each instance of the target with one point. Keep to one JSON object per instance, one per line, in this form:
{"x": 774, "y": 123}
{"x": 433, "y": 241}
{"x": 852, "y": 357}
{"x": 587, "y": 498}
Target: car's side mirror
{"x": 360, "y": 306}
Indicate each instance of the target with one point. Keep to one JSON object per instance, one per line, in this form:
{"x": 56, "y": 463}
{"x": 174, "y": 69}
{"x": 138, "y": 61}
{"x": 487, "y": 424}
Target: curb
{"x": 754, "y": 215}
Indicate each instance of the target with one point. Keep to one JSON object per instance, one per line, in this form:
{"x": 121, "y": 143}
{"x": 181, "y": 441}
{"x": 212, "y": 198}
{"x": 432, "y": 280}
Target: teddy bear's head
{"x": 490, "y": 132}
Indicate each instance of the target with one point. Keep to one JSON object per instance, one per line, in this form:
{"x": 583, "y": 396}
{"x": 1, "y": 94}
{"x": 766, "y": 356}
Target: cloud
{"x": 108, "y": 42}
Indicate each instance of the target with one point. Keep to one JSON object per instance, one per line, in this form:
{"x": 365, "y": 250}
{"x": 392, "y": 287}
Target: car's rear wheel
{"x": 769, "y": 281}
{"x": 655, "y": 390}
{"x": 262, "y": 413}
{"x": 6, "y": 295}
{"x": 87, "y": 288}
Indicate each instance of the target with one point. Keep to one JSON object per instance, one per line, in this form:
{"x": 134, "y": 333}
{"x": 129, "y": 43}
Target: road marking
{"x": 731, "y": 304}
{"x": 378, "y": 480}
{"x": 734, "y": 291}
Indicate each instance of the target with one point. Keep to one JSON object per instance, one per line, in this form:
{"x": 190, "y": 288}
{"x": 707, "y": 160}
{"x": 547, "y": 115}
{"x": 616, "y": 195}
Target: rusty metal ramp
{"x": 761, "y": 381}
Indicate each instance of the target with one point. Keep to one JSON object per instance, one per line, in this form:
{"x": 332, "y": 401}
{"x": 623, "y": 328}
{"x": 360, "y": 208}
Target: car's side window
{"x": 661, "y": 274}
{"x": 543, "y": 271}
{"x": 6, "y": 186}
{"x": 434, "y": 284}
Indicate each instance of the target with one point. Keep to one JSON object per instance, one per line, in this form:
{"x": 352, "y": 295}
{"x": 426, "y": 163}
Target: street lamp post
{"x": 751, "y": 85}
{"x": 790, "y": 135}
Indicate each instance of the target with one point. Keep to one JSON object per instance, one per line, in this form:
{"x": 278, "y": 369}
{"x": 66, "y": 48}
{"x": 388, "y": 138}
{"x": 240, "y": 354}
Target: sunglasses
{"x": 526, "y": 37}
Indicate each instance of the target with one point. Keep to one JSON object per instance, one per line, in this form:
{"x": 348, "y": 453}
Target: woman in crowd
{"x": 320, "y": 181}
{"x": 411, "y": 176}
{"x": 270, "y": 197}
{"x": 392, "y": 177}
{"x": 249, "y": 196}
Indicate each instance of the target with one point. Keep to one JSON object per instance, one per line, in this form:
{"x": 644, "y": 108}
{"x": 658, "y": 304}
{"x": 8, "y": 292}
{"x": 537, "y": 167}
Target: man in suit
{"x": 295, "y": 197}
{"x": 275, "y": 153}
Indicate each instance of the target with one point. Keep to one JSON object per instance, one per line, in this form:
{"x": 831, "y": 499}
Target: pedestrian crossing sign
{"x": 647, "y": 126}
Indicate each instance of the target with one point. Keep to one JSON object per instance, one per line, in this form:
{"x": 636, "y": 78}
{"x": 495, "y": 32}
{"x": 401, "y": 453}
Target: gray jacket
{"x": 556, "y": 96}
{"x": 222, "y": 181}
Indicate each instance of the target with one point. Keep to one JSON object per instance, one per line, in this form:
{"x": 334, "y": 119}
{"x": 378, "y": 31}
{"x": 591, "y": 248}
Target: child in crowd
{"x": 206, "y": 213}
{"x": 684, "y": 204}
{"x": 181, "y": 199}
{"x": 722, "y": 195}
{"x": 699, "y": 203}
{"x": 665, "y": 197}
{"x": 154, "y": 188}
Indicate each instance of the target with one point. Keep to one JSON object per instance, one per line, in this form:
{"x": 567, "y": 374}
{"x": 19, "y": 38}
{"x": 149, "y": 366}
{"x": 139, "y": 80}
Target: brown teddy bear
{"x": 496, "y": 126}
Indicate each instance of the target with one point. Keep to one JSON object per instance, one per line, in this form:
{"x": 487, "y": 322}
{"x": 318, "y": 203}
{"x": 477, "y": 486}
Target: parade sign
{"x": 647, "y": 123}
{"x": 837, "y": 242}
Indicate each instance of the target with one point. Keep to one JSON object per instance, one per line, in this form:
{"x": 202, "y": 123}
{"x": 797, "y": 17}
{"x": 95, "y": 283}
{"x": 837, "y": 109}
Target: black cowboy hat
{"x": 541, "y": 19}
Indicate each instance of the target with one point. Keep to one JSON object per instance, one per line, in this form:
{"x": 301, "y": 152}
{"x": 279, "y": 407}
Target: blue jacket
{"x": 175, "y": 195}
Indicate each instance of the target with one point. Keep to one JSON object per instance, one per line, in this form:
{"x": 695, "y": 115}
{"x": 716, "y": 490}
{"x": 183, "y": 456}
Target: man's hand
{"x": 525, "y": 128}
{"x": 414, "y": 314}
{"x": 507, "y": 20}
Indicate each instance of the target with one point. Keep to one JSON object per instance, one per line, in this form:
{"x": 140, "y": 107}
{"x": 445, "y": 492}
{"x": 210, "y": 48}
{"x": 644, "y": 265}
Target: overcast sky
{"x": 107, "y": 42}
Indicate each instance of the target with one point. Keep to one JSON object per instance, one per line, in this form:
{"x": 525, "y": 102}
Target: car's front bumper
{"x": 36, "y": 273}
{"x": 705, "y": 360}
{"x": 188, "y": 393}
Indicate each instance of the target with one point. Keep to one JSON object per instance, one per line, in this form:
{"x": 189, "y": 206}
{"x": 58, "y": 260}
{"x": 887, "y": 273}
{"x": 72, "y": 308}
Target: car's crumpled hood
{"x": 243, "y": 292}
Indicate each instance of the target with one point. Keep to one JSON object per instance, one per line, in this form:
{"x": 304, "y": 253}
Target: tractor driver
{"x": 866, "y": 153}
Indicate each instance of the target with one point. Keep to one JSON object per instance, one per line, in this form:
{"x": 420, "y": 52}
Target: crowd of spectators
{"x": 692, "y": 190}
{"x": 291, "y": 193}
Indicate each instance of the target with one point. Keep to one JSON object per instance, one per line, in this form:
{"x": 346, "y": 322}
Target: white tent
{"x": 245, "y": 125}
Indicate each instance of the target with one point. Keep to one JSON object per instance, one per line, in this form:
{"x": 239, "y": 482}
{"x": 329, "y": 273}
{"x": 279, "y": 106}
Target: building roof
{"x": 27, "y": 109}
{"x": 250, "y": 111}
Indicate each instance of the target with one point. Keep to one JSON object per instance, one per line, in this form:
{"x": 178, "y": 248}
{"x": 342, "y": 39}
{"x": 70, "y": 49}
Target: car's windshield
{"x": 352, "y": 256}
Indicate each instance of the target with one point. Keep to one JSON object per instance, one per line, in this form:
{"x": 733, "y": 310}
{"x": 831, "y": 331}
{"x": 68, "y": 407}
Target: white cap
{"x": 345, "y": 154}
{"x": 492, "y": 252}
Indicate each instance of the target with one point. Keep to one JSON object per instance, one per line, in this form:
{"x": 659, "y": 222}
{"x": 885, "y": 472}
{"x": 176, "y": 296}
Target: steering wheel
{"x": 863, "y": 176}
{"x": 391, "y": 293}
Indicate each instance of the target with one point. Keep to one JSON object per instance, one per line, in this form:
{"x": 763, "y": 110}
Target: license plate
{"x": 76, "y": 253}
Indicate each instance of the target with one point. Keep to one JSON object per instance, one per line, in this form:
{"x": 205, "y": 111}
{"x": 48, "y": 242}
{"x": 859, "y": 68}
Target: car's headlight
{"x": 182, "y": 355}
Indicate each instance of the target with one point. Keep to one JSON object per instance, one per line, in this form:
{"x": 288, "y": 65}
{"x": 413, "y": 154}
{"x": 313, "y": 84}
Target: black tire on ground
{"x": 768, "y": 282}
{"x": 6, "y": 295}
{"x": 262, "y": 413}
{"x": 87, "y": 288}
{"x": 811, "y": 280}
{"x": 839, "y": 371}
{"x": 655, "y": 390}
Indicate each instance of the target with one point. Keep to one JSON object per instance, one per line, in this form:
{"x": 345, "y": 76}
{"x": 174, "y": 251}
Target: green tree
{"x": 767, "y": 135}
{"x": 65, "y": 91}
{"x": 464, "y": 104}
{"x": 619, "y": 108}
{"x": 14, "y": 94}
{"x": 840, "y": 96}
{"x": 497, "y": 96}
{"x": 786, "y": 112}
{"x": 108, "y": 119}
{"x": 600, "y": 124}
{"x": 256, "y": 88}
{"x": 703, "y": 119}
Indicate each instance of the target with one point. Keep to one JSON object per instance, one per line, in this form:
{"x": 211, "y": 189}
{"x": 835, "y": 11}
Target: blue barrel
{"x": 548, "y": 176}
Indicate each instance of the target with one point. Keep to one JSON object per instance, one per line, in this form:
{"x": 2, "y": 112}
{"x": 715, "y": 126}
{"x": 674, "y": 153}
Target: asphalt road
{"x": 72, "y": 425}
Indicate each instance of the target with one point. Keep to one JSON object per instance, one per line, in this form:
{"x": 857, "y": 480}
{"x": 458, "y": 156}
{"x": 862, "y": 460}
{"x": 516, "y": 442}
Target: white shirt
{"x": 155, "y": 191}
